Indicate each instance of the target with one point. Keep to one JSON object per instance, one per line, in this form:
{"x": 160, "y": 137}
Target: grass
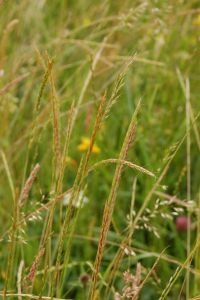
{"x": 99, "y": 143}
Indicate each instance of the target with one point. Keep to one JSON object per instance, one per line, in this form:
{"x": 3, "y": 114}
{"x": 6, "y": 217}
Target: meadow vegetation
{"x": 99, "y": 149}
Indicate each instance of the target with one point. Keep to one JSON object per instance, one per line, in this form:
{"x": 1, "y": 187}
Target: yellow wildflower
{"x": 197, "y": 20}
{"x": 85, "y": 144}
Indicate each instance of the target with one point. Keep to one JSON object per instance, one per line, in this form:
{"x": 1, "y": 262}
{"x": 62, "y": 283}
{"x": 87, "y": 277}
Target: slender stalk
{"x": 36, "y": 121}
{"x": 188, "y": 153}
{"x": 110, "y": 203}
{"x": 179, "y": 269}
{"x": 185, "y": 85}
{"x": 12, "y": 249}
{"x": 71, "y": 216}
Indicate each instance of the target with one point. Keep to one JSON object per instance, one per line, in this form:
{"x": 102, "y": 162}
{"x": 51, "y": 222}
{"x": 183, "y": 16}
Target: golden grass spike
{"x": 110, "y": 203}
{"x": 123, "y": 162}
{"x": 28, "y": 185}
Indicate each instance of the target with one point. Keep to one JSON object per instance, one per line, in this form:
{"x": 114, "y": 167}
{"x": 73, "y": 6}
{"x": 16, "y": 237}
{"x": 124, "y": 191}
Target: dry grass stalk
{"x": 65, "y": 149}
{"x": 35, "y": 265}
{"x": 19, "y": 279}
{"x": 185, "y": 85}
{"x": 35, "y": 122}
{"x": 125, "y": 247}
{"x": 56, "y": 124}
{"x": 118, "y": 85}
{"x": 97, "y": 126}
{"x": 115, "y": 94}
{"x": 43, "y": 84}
{"x": 113, "y": 270}
{"x": 28, "y": 185}
{"x": 110, "y": 203}
{"x": 56, "y": 154}
{"x": 69, "y": 222}
{"x": 123, "y": 162}
{"x": 12, "y": 247}
{"x": 32, "y": 296}
{"x": 95, "y": 61}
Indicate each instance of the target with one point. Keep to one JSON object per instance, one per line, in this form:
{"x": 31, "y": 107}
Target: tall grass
{"x": 99, "y": 190}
